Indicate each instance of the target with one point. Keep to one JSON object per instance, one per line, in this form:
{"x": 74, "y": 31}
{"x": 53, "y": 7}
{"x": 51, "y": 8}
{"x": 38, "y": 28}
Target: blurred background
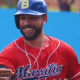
{"x": 53, "y": 5}
{"x": 63, "y": 22}
{"x": 64, "y": 5}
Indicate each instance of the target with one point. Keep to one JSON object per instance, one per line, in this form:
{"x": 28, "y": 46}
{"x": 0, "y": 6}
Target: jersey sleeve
{"x": 7, "y": 58}
{"x": 73, "y": 70}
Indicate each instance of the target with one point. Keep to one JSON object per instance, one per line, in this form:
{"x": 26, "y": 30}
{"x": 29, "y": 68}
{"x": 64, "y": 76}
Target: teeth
{"x": 28, "y": 28}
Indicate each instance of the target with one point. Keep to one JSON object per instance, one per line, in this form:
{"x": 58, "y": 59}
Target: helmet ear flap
{"x": 17, "y": 21}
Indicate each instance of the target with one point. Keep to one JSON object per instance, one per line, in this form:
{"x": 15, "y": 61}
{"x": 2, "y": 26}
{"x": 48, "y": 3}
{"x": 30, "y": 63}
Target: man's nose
{"x": 26, "y": 22}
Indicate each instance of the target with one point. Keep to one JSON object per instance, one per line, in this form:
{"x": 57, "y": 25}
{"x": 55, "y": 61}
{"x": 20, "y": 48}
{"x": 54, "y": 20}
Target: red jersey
{"x": 56, "y": 62}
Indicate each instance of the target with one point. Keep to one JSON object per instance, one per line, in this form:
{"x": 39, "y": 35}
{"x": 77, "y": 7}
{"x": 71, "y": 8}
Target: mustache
{"x": 29, "y": 26}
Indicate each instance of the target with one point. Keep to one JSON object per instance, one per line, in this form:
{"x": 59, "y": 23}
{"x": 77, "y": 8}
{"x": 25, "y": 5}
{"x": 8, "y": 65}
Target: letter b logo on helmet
{"x": 25, "y": 4}
{"x": 31, "y": 7}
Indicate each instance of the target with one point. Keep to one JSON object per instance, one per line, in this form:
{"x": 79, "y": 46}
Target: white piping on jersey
{"x": 74, "y": 76}
{"x": 18, "y": 46}
{"x": 27, "y": 53}
{"x": 52, "y": 54}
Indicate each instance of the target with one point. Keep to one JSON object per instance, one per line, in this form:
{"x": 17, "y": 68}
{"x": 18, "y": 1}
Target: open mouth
{"x": 29, "y": 29}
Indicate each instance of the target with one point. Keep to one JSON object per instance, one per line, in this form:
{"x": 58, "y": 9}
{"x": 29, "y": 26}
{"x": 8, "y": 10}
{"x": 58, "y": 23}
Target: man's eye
{"x": 22, "y": 17}
{"x": 32, "y": 18}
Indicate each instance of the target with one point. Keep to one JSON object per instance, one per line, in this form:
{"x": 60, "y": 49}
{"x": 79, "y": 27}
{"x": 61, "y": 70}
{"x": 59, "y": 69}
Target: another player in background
{"x": 36, "y": 56}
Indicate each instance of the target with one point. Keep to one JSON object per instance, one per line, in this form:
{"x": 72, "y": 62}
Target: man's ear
{"x": 44, "y": 19}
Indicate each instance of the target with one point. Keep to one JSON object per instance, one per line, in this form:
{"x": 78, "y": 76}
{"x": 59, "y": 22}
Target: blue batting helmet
{"x": 31, "y": 7}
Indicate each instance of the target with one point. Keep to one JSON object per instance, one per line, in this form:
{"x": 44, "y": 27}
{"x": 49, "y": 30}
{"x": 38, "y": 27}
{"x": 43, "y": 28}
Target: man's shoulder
{"x": 63, "y": 44}
{"x": 12, "y": 45}
{"x": 64, "y": 47}
{"x": 53, "y": 39}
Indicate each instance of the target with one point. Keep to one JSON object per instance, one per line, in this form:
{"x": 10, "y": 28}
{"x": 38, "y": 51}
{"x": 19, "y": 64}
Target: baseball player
{"x": 36, "y": 56}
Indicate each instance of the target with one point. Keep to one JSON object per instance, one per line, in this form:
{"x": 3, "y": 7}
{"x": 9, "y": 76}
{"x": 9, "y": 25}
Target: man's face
{"x": 30, "y": 26}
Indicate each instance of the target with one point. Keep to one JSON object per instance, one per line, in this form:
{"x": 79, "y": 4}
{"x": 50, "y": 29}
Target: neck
{"x": 36, "y": 43}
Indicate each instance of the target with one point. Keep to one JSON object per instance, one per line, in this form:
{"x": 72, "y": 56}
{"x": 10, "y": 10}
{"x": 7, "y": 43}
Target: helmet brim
{"x": 28, "y": 12}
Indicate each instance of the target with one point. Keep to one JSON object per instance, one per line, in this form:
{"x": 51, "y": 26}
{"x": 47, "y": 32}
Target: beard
{"x": 35, "y": 35}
